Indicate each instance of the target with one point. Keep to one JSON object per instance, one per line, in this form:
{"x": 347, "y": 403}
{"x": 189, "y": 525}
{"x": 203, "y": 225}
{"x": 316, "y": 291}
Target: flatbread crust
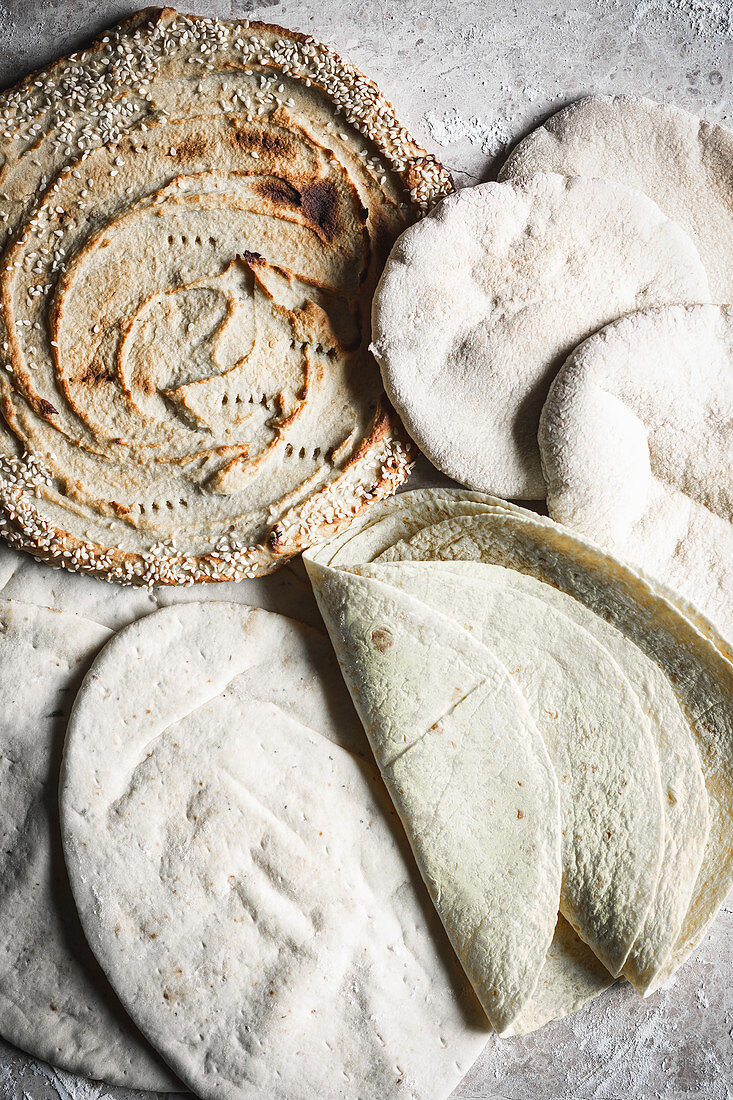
{"x": 682, "y": 162}
{"x": 481, "y": 302}
{"x": 227, "y": 192}
{"x": 241, "y": 874}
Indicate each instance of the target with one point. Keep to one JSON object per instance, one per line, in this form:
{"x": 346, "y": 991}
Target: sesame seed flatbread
{"x": 226, "y": 194}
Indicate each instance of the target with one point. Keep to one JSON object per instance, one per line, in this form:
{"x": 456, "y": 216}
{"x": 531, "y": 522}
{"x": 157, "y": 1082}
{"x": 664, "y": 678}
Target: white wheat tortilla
{"x": 685, "y": 647}
{"x": 55, "y": 1001}
{"x": 468, "y": 772}
{"x": 686, "y": 753}
{"x": 597, "y": 734}
{"x": 682, "y": 162}
{"x": 241, "y": 874}
{"x": 481, "y": 302}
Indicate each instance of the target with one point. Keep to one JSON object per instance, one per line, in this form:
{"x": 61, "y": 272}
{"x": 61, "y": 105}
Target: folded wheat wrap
{"x": 637, "y": 445}
{"x": 241, "y": 874}
{"x": 680, "y": 677}
{"x": 55, "y": 1001}
{"x": 682, "y": 162}
{"x": 234, "y": 216}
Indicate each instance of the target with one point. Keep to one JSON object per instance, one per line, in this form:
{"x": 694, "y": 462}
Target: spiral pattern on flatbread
{"x": 196, "y": 215}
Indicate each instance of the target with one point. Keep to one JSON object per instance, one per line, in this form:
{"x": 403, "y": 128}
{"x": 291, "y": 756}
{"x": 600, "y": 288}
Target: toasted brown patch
{"x": 47, "y": 409}
{"x": 278, "y": 191}
{"x": 382, "y": 638}
{"x": 262, "y": 141}
{"x": 320, "y": 206}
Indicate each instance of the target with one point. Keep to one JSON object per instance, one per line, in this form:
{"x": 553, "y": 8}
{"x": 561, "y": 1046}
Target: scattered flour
{"x": 707, "y": 19}
{"x": 450, "y": 127}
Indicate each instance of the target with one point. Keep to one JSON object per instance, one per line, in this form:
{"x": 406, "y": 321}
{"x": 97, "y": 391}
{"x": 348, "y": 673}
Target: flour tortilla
{"x": 700, "y": 675}
{"x": 480, "y": 303}
{"x": 467, "y": 771}
{"x": 235, "y": 216}
{"x": 683, "y": 163}
{"x": 571, "y": 976}
{"x": 55, "y": 1002}
{"x": 241, "y": 874}
{"x": 596, "y": 733}
{"x": 636, "y": 443}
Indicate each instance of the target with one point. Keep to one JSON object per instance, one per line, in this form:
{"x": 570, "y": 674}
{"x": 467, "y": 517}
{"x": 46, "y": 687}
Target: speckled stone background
{"x": 470, "y": 78}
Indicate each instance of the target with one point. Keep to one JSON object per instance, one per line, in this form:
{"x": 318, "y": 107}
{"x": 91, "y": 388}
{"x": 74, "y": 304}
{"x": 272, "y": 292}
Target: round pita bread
{"x": 637, "y": 448}
{"x": 241, "y": 874}
{"x": 226, "y": 194}
{"x": 683, "y": 163}
{"x": 55, "y": 1002}
{"x": 480, "y": 303}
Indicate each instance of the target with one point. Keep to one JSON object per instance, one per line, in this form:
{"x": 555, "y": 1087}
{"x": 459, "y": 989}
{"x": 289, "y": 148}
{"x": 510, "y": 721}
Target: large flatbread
{"x": 636, "y": 440}
{"x": 55, "y": 1001}
{"x": 241, "y": 874}
{"x": 482, "y": 301}
{"x": 680, "y": 161}
{"x": 226, "y": 194}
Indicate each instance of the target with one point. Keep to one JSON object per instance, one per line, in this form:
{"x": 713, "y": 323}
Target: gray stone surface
{"x": 469, "y": 78}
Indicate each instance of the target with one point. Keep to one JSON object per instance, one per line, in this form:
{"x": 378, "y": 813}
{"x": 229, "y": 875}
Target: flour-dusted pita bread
{"x": 637, "y": 446}
{"x": 55, "y": 1002}
{"x": 597, "y": 735}
{"x": 683, "y": 163}
{"x": 224, "y": 194}
{"x": 481, "y": 302}
{"x": 694, "y": 663}
{"x": 241, "y": 874}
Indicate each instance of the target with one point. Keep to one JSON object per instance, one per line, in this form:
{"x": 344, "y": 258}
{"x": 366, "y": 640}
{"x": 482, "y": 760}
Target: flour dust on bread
{"x": 198, "y": 213}
{"x": 241, "y": 874}
{"x": 55, "y": 1002}
{"x": 480, "y": 303}
{"x": 637, "y": 445}
{"x": 682, "y": 162}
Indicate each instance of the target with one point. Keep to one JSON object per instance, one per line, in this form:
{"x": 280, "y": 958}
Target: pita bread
{"x": 55, "y": 1002}
{"x": 228, "y": 193}
{"x": 480, "y": 303}
{"x": 675, "y": 158}
{"x": 241, "y": 874}
{"x": 637, "y": 447}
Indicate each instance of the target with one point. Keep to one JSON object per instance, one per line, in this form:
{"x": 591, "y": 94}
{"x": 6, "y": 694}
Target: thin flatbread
{"x": 694, "y": 663}
{"x": 597, "y": 735}
{"x": 55, "y": 1002}
{"x": 279, "y": 942}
